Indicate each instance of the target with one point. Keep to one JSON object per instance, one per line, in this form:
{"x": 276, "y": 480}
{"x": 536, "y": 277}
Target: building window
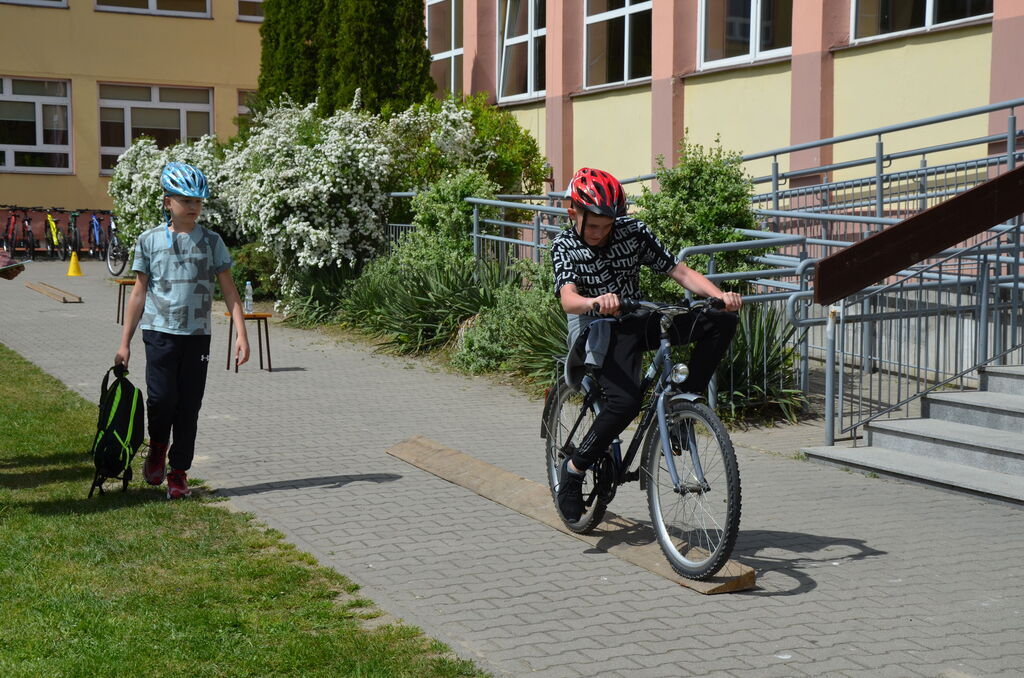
{"x": 522, "y": 32}
{"x": 618, "y": 41}
{"x": 35, "y": 130}
{"x": 882, "y": 17}
{"x": 250, "y": 10}
{"x": 166, "y": 114}
{"x": 245, "y": 99}
{"x": 742, "y": 31}
{"x": 192, "y": 8}
{"x": 36, "y": 3}
{"x": 444, "y": 40}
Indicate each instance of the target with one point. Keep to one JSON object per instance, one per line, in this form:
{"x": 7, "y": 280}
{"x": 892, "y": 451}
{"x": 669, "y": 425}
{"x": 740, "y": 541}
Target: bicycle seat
{"x": 587, "y": 352}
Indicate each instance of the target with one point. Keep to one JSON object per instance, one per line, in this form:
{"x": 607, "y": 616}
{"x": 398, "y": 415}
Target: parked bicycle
{"x": 74, "y": 236}
{"x": 688, "y": 466}
{"x": 117, "y": 253}
{"x": 53, "y": 239}
{"x": 8, "y": 233}
{"x": 97, "y": 241}
{"x": 27, "y": 241}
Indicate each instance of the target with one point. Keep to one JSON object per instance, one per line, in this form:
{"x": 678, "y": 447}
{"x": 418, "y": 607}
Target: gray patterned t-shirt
{"x": 181, "y": 269}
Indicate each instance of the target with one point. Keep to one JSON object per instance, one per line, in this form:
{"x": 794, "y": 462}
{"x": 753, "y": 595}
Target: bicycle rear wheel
{"x": 117, "y": 256}
{"x": 696, "y": 526}
{"x": 30, "y": 245}
{"x": 565, "y": 411}
{"x": 62, "y": 246}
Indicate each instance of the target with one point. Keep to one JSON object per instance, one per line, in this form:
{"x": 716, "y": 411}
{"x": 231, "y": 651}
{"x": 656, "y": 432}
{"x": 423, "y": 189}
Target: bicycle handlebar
{"x": 627, "y": 305}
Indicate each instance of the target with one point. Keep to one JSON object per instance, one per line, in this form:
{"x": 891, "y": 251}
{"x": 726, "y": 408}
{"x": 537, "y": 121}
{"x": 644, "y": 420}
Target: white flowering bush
{"x": 135, "y": 185}
{"x": 312, "y": 190}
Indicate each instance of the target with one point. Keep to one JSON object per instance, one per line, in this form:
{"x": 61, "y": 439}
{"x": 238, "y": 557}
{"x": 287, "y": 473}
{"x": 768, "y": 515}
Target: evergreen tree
{"x": 289, "y": 49}
{"x": 380, "y": 49}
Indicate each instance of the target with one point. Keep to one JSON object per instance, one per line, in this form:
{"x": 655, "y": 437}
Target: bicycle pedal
{"x": 631, "y": 476}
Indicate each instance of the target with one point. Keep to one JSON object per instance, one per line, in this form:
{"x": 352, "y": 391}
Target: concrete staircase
{"x": 966, "y": 441}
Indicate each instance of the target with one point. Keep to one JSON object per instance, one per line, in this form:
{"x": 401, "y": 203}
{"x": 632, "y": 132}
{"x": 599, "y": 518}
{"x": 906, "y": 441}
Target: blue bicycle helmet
{"x": 186, "y": 180}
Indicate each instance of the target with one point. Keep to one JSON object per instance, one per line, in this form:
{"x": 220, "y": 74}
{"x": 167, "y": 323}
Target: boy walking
{"x": 175, "y": 265}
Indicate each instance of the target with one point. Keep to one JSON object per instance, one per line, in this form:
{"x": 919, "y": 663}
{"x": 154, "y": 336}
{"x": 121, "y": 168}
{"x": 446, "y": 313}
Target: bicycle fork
{"x": 701, "y": 486}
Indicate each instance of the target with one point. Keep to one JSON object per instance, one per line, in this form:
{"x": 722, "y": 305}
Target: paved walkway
{"x": 857, "y": 576}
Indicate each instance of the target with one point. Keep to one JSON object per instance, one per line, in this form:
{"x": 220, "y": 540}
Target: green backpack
{"x": 119, "y": 429}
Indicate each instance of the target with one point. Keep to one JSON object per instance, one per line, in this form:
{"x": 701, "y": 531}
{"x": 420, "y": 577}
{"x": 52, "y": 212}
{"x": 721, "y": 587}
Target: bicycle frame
{"x": 657, "y": 375}
{"x": 52, "y": 229}
{"x": 95, "y": 229}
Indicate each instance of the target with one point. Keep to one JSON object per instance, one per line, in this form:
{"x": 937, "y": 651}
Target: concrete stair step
{"x": 1005, "y": 379}
{"x": 991, "y": 449}
{"x": 1003, "y": 411}
{"x": 915, "y": 468}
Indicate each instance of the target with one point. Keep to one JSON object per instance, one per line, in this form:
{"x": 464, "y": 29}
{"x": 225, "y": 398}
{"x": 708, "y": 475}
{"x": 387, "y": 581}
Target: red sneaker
{"x": 177, "y": 485}
{"x": 155, "y": 466}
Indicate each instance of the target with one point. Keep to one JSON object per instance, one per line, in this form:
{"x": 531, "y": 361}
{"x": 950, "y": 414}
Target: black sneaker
{"x": 570, "y": 492}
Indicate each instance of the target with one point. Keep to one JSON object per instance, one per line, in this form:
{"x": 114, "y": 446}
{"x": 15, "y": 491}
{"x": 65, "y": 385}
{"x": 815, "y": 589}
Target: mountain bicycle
{"x": 53, "y": 238}
{"x": 8, "y": 232}
{"x": 117, "y": 253}
{"x": 687, "y": 466}
{"x": 28, "y": 238}
{"x": 97, "y": 242}
{"x": 74, "y": 237}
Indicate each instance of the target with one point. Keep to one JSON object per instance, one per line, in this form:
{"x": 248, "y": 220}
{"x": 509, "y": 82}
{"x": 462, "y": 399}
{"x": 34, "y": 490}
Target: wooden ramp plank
{"x": 621, "y": 537}
{"x": 54, "y": 292}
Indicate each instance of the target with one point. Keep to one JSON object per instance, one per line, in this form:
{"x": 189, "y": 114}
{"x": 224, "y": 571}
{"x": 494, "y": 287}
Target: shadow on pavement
{"x": 795, "y": 555}
{"x": 330, "y": 482}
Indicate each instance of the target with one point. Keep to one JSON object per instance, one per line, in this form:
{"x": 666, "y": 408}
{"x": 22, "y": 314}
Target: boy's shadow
{"x": 328, "y": 482}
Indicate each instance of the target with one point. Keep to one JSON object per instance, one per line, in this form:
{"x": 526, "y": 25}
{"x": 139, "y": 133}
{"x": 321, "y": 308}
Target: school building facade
{"x": 79, "y": 79}
{"x": 616, "y": 83}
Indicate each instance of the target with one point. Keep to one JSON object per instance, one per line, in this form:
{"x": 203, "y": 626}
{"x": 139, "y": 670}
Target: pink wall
{"x": 1007, "y": 79}
{"x": 564, "y": 75}
{"x": 674, "y": 47}
{"x": 479, "y": 60}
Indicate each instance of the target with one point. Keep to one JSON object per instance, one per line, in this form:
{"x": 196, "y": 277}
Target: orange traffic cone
{"x": 73, "y": 268}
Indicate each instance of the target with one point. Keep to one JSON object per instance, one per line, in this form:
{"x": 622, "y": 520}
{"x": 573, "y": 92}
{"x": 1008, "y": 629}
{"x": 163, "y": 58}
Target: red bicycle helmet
{"x": 597, "y": 191}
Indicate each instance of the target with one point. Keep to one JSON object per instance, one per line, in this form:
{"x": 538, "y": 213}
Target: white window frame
{"x": 246, "y": 17}
{"x": 634, "y": 8}
{"x": 929, "y": 24}
{"x": 450, "y": 54}
{"x": 152, "y": 10}
{"x": 756, "y": 53}
{"x": 530, "y": 37}
{"x": 154, "y": 102}
{"x": 39, "y": 101}
{"x": 59, "y": 4}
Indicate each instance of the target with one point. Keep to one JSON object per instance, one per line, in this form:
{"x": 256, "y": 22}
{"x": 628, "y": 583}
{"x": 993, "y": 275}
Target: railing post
{"x": 775, "y": 190}
{"x": 1011, "y": 141}
{"x": 981, "y": 350}
{"x": 830, "y": 376}
{"x": 713, "y": 384}
{"x": 476, "y": 232}
{"x": 879, "y": 197}
{"x": 536, "y": 237}
{"x": 922, "y": 203}
{"x": 805, "y": 343}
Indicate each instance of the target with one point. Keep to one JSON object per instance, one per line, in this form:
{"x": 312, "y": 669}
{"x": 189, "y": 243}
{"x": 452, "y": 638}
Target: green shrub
{"x": 521, "y": 332}
{"x": 255, "y": 264}
{"x": 700, "y": 202}
{"x": 757, "y": 376}
{"x": 441, "y": 212}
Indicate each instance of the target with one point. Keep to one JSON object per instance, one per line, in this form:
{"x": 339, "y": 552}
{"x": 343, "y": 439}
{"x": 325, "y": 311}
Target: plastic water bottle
{"x": 247, "y": 306}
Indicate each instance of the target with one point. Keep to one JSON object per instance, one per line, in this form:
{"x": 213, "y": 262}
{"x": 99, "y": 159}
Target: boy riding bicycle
{"x": 597, "y": 263}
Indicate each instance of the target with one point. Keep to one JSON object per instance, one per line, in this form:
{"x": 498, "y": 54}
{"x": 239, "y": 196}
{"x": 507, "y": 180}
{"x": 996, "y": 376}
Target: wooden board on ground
{"x": 54, "y": 293}
{"x": 621, "y": 537}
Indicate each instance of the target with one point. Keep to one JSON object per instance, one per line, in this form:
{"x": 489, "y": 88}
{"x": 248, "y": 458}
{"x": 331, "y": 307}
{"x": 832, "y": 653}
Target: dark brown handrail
{"x": 919, "y": 237}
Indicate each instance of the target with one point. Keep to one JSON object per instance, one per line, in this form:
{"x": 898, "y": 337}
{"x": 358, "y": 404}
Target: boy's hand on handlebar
{"x": 607, "y": 304}
{"x": 732, "y": 301}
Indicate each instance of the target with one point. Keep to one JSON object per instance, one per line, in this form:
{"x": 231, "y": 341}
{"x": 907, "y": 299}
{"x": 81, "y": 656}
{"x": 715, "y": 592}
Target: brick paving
{"x": 857, "y": 576}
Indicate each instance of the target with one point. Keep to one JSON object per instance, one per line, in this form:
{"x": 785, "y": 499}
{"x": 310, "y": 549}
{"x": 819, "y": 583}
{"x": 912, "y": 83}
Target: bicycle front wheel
{"x": 117, "y": 256}
{"x": 696, "y": 525}
{"x": 62, "y": 246}
{"x": 566, "y": 411}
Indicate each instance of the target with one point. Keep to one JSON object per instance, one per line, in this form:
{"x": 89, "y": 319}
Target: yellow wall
{"x": 612, "y": 131}
{"x": 532, "y": 118}
{"x": 87, "y": 47}
{"x": 748, "y": 107}
{"x": 910, "y": 78}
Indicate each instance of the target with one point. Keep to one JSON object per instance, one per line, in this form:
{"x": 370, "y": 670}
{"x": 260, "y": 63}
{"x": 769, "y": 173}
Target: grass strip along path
{"x": 132, "y": 584}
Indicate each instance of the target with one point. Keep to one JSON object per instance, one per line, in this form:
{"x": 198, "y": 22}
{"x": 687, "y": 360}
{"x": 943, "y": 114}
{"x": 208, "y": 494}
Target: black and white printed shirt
{"x": 612, "y": 269}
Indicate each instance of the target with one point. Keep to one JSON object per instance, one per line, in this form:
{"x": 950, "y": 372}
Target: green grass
{"x": 129, "y": 584}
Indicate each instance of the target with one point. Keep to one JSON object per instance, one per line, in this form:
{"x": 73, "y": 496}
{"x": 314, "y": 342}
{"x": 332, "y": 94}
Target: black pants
{"x": 175, "y": 383}
{"x": 619, "y": 377}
